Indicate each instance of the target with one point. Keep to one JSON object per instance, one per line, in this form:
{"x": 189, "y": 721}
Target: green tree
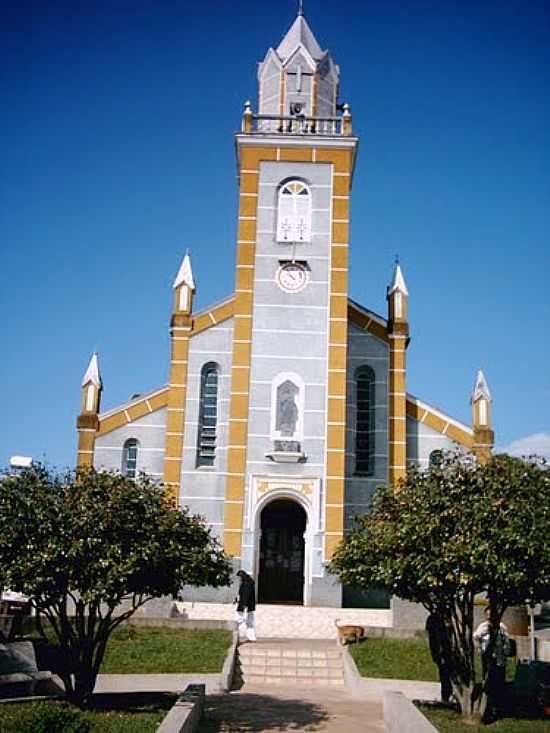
{"x": 89, "y": 549}
{"x": 448, "y": 533}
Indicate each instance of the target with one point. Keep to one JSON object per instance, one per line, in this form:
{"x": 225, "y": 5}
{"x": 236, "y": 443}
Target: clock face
{"x": 292, "y": 277}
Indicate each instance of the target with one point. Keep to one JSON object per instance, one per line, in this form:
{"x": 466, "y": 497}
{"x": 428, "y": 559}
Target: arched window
{"x": 129, "y": 458}
{"x": 364, "y": 424}
{"x": 208, "y": 415}
{"x": 294, "y": 213}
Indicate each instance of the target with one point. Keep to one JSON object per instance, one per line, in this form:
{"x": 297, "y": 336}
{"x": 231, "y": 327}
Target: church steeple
{"x": 298, "y": 78}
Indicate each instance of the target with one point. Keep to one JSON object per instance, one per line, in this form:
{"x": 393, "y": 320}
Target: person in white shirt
{"x": 493, "y": 660}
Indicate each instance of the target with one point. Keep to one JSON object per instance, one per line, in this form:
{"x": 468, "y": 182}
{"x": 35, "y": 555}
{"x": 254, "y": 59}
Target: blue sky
{"x": 117, "y": 154}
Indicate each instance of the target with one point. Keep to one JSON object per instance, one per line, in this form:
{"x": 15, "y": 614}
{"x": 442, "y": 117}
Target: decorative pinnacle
{"x": 92, "y": 373}
{"x": 185, "y": 273}
{"x": 398, "y": 281}
{"x": 481, "y": 388}
{"x": 300, "y": 7}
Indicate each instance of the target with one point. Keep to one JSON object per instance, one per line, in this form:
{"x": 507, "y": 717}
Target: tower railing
{"x": 255, "y": 124}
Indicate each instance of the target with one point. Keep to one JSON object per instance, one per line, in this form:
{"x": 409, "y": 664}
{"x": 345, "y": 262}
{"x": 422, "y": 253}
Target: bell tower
{"x": 295, "y": 156}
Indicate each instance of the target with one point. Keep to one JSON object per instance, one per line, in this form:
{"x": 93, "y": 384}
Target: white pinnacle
{"x": 481, "y": 388}
{"x": 398, "y": 281}
{"x": 185, "y": 274}
{"x": 298, "y": 34}
{"x": 92, "y": 373}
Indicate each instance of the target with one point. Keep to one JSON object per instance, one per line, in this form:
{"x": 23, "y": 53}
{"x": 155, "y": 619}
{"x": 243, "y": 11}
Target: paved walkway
{"x": 275, "y": 709}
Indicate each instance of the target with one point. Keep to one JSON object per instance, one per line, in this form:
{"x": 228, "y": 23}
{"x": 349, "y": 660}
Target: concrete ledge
{"x": 182, "y": 623}
{"x": 157, "y": 682}
{"x": 185, "y": 716}
{"x": 379, "y": 632}
{"x": 226, "y": 678}
{"x": 402, "y": 716}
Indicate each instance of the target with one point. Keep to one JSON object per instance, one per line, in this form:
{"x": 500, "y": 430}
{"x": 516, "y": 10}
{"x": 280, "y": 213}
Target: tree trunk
{"x": 84, "y": 683}
{"x": 472, "y": 702}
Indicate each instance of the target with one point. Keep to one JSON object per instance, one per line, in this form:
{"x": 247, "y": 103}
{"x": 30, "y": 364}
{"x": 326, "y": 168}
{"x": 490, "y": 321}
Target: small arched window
{"x": 208, "y": 415}
{"x": 129, "y": 458}
{"x": 365, "y": 424}
{"x": 294, "y": 213}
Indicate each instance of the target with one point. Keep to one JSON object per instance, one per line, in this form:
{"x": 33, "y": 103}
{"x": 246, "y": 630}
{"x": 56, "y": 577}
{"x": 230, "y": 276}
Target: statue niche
{"x": 286, "y": 417}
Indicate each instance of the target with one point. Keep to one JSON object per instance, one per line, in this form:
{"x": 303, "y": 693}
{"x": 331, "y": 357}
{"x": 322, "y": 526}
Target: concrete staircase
{"x": 291, "y": 662}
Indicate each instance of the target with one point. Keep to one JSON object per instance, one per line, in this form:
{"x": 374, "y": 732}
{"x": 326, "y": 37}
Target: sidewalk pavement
{"x": 276, "y": 709}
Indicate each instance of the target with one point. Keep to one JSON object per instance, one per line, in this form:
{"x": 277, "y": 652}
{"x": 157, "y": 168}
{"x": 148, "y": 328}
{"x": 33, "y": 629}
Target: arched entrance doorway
{"x": 281, "y": 566}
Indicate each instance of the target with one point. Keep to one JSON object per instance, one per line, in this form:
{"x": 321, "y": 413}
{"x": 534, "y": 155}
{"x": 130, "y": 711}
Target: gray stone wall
{"x": 148, "y": 431}
{"x": 270, "y": 88}
{"x": 203, "y": 488}
{"x": 364, "y": 349}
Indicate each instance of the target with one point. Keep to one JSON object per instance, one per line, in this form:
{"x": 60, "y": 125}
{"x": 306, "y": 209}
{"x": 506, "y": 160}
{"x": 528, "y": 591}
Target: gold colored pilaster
{"x": 398, "y": 404}
{"x": 180, "y": 330}
{"x": 242, "y": 339}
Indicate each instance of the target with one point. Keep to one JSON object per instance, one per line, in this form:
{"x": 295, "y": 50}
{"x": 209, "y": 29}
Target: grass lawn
{"x": 156, "y": 650}
{"x": 447, "y": 721}
{"x": 136, "y": 713}
{"x": 403, "y": 659}
{"x": 147, "y": 650}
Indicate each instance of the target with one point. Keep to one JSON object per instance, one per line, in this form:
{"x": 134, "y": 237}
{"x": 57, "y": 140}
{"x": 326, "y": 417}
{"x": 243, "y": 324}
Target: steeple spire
{"x": 299, "y": 34}
{"x": 398, "y": 281}
{"x": 92, "y": 375}
{"x": 184, "y": 287}
{"x": 481, "y": 401}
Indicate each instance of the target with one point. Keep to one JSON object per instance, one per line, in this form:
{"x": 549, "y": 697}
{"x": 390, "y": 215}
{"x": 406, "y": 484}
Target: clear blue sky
{"x": 117, "y": 154}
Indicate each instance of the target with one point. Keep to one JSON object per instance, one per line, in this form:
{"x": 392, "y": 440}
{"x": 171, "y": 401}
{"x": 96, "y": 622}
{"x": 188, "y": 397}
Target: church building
{"x": 286, "y": 403}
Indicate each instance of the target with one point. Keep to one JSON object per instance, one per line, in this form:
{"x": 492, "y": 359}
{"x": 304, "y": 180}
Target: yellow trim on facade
{"x": 367, "y": 323}
{"x": 422, "y": 414}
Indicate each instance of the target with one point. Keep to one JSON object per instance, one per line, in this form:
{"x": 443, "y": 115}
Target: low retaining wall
{"x": 185, "y": 715}
{"x": 182, "y": 623}
{"x": 402, "y": 716}
{"x": 226, "y": 679}
{"x": 376, "y": 687}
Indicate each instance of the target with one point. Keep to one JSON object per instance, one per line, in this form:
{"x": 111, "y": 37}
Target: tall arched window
{"x": 208, "y": 415}
{"x": 294, "y": 213}
{"x": 129, "y": 458}
{"x": 364, "y": 425}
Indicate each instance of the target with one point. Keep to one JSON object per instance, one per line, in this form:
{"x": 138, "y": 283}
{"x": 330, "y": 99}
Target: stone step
{"x": 293, "y": 681}
{"x": 324, "y": 670}
{"x": 290, "y": 663}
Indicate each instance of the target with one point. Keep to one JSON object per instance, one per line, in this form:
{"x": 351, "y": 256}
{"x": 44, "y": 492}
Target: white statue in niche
{"x": 287, "y": 410}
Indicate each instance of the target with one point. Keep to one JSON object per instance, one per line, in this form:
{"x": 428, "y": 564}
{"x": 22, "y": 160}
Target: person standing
{"x": 493, "y": 661}
{"x": 246, "y": 605}
{"x": 436, "y": 638}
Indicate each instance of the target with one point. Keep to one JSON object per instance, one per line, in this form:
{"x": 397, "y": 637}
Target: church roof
{"x": 481, "y": 388}
{"x": 92, "y": 373}
{"x": 299, "y": 33}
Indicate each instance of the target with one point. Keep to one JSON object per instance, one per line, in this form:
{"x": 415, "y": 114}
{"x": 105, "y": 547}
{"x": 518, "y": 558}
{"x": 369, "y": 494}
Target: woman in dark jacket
{"x": 246, "y": 604}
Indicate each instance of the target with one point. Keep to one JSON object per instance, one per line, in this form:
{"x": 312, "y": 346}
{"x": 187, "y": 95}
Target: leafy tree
{"x": 448, "y": 533}
{"x": 79, "y": 546}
